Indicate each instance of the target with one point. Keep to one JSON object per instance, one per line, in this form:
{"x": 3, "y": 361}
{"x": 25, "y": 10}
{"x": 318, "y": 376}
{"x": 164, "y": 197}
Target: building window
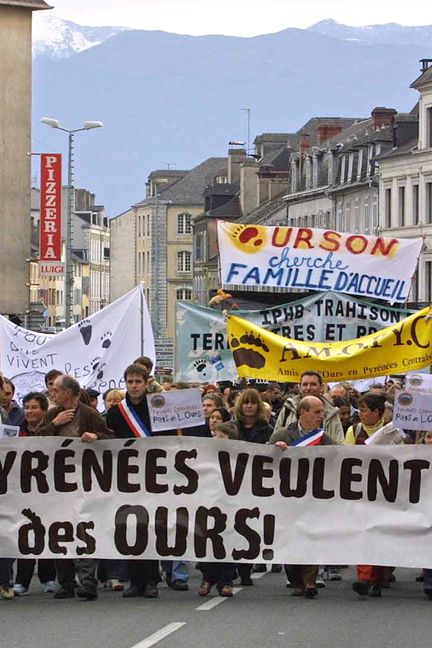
{"x": 387, "y": 208}
{"x": 184, "y": 261}
{"x": 343, "y": 165}
{"x": 428, "y": 281}
{"x": 199, "y": 256}
{"x": 184, "y": 224}
{"x": 428, "y": 187}
{"x": 308, "y": 173}
{"x": 429, "y": 127}
{"x": 315, "y": 169}
{"x": 350, "y": 167}
{"x": 415, "y": 204}
{"x": 184, "y": 294}
{"x": 401, "y": 206}
{"x": 294, "y": 175}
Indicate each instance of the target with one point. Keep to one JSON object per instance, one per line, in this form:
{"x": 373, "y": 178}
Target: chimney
{"x": 236, "y": 157}
{"x": 327, "y": 132}
{"x": 426, "y": 63}
{"x": 305, "y": 143}
{"x": 383, "y": 116}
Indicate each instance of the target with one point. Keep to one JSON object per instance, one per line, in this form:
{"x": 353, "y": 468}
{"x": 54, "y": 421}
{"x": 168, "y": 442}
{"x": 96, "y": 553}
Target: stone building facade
{"x": 405, "y": 183}
{"x": 153, "y": 243}
{"x": 15, "y": 145}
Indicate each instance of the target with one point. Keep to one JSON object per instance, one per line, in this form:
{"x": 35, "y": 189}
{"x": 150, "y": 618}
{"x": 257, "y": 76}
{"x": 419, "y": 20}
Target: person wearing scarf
{"x": 370, "y": 578}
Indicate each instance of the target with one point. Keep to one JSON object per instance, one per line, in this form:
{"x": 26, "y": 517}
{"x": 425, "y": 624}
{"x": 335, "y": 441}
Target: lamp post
{"x": 88, "y": 125}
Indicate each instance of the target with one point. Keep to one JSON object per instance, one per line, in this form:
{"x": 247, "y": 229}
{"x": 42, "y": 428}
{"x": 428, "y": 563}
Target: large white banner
{"x": 95, "y": 351}
{"x": 198, "y": 499}
{"x": 315, "y": 259}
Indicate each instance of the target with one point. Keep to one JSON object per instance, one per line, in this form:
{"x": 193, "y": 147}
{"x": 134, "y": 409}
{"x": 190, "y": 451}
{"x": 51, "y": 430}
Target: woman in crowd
{"x": 426, "y": 438}
{"x": 219, "y": 573}
{"x": 219, "y": 415}
{"x": 370, "y": 578}
{"x": 345, "y": 413}
{"x": 112, "y": 572}
{"x": 35, "y": 408}
{"x": 251, "y": 418}
{"x": 112, "y": 397}
{"x": 252, "y": 426}
{"x": 6, "y": 592}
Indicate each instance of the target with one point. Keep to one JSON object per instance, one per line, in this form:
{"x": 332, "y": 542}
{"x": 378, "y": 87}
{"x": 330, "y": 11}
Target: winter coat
{"x": 292, "y": 433}
{"x": 259, "y": 433}
{"x": 332, "y": 424}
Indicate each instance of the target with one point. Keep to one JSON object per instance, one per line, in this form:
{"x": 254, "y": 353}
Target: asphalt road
{"x": 263, "y": 616}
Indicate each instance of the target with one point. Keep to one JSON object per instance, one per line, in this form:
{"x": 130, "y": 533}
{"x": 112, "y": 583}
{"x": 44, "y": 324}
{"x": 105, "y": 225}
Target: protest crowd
{"x": 309, "y": 413}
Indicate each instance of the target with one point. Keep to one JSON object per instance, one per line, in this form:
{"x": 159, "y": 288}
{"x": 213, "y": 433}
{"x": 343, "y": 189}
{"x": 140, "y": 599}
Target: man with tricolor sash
{"x": 306, "y": 431}
{"x": 130, "y": 418}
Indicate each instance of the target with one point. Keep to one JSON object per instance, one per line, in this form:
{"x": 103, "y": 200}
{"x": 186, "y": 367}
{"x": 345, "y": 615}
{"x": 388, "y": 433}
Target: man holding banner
{"x": 307, "y": 431}
{"x": 130, "y": 419}
{"x": 71, "y": 418}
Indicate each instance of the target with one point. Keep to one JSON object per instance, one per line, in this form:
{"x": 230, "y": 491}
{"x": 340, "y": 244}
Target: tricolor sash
{"x": 135, "y": 424}
{"x": 310, "y": 439}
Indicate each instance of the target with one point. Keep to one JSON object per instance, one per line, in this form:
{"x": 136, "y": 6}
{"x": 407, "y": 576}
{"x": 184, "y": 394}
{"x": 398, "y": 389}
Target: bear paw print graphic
{"x": 249, "y": 350}
{"x": 106, "y": 339}
{"x": 86, "y": 330}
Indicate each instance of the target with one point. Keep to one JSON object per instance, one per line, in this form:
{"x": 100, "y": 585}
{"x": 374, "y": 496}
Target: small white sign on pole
{"x": 413, "y": 410}
{"x": 419, "y": 382}
{"x": 7, "y": 431}
{"x": 175, "y": 409}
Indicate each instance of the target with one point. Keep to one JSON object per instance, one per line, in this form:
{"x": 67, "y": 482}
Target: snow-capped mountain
{"x": 56, "y": 38}
{"x": 388, "y": 34}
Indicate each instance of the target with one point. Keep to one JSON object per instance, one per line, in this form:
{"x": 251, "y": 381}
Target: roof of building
{"x": 424, "y": 78}
{"x": 278, "y": 159}
{"x": 407, "y": 147}
{"x": 312, "y": 125}
{"x": 361, "y": 132}
{"x": 222, "y": 189}
{"x": 230, "y": 209}
{"x": 282, "y": 138}
{"x": 189, "y": 190}
{"x": 168, "y": 173}
{"x": 27, "y": 4}
{"x": 265, "y": 210}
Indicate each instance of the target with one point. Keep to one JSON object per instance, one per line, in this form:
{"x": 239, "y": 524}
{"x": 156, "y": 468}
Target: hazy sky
{"x": 239, "y": 17}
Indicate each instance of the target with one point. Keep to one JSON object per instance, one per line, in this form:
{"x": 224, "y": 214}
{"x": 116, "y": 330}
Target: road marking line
{"x": 258, "y": 575}
{"x": 160, "y": 634}
{"x": 208, "y": 605}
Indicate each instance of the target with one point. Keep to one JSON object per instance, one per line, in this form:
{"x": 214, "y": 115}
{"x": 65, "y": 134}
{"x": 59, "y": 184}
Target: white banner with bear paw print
{"x": 95, "y": 351}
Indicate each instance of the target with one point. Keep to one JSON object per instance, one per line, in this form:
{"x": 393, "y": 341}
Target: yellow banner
{"x": 406, "y": 346}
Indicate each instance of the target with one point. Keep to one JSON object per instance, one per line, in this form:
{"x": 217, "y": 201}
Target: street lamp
{"x": 88, "y": 125}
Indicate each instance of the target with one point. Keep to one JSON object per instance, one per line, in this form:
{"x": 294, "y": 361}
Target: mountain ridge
{"x": 169, "y": 98}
